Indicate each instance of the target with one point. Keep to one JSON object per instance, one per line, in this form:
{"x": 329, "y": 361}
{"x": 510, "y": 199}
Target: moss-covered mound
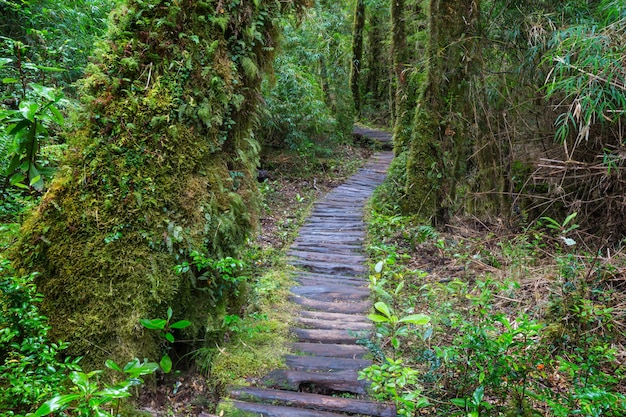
{"x": 161, "y": 162}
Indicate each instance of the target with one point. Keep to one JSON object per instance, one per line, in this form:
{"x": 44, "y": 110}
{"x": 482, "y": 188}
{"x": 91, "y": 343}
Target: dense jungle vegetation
{"x": 140, "y": 248}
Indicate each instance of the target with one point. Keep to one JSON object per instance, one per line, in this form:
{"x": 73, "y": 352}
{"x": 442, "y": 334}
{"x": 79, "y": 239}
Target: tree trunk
{"x": 161, "y": 163}
{"x": 398, "y": 52}
{"x": 357, "y": 54}
{"x": 441, "y": 131}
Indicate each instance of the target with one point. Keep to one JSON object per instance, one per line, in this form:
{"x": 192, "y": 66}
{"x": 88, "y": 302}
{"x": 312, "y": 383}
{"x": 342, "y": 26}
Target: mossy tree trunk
{"x": 441, "y": 129}
{"x": 398, "y": 52}
{"x": 377, "y": 78}
{"x": 407, "y": 84}
{"x": 357, "y": 54}
{"x": 161, "y": 163}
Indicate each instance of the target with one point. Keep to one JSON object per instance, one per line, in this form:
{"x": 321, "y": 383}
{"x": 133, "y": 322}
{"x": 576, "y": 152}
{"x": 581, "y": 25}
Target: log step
{"x": 320, "y": 382}
{"x": 339, "y": 317}
{"x": 330, "y": 349}
{"x": 354, "y": 326}
{"x": 332, "y": 292}
{"x": 268, "y": 410}
{"x": 313, "y": 401}
{"x": 325, "y": 363}
{"x": 340, "y": 337}
{"x": 360, "y": 307}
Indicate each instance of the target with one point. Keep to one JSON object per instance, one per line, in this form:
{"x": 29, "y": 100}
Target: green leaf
{"x": 478, "y": 395}
{"x": 166, "y": 363}
{"x": 459, "y": 402}
{"x": 81, "y": 380}
{"x": 169, "y": 313}
{"x": 181, "y": 324}
{"x": 29, "y": 110}
{"x": 135, "y": 368}
{"x": 569, "y": 218}
{"x": 57, "y": 116}
{"x": 29, "y": 65}
{"x": 169, "y": 337}
{"x": 109, "y": 363}
{"x": 54, "y": 404}
{"x": 48, "y": 93}
{"x": 395, "y": 342}
{"x": 383, "y": 308}
{"x": 377, "y": 318}
{"x": 10, "y": 80}
{"x": 4, "y": 61}
{"x": 418, "y": 319}
{"x": 154, "y": 324}
{"x": 113, "y": 392}
{"x": 16, "y": 181}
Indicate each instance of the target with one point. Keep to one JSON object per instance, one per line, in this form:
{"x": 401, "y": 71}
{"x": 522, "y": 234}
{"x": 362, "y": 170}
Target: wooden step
{"x": 340, "y": 337}
{"x": 313, "y": 401}
{"x": 330, "y": 349}
{"x": 320, "y": 382}
{"x": 325, "y": 363}
{"x": 335, "y": 276}
{"x": 268, "y": 410}
{"x": 330, "y": 268}
{"x": 360, "y": 307}
{"x": 353, "y": 326}
{"x": 348, "y": 319}
{"x": 332, "y": 292}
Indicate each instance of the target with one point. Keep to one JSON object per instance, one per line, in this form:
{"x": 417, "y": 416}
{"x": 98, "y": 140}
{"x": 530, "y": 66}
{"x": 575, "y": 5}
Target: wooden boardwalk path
{"x": 334, "y": 300}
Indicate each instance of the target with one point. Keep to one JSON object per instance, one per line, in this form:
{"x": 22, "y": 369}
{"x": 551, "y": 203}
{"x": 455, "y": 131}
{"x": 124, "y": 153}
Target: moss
{"x": 423, "y": 180}
{"x": 147, "y": 176}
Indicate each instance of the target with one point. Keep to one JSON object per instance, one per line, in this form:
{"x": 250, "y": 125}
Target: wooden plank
{"x": 336, "y": 350}
{"x": 330, "y": 268}
{"x": 309, "y": 274}
{"x": 325, "y": 363}
{"x": 341, "y": 337}
{"x": 356, "y": 282}
{"x": 313, "y": 401}
{"x": 352, "y": 326}
{"x": 361, "y": 307}
{"x": 328, "y": 257}
{"x": 268, "y": 410}
{"x": 339, "y": 317}
{"x": 332, "y": 292}
{"x": 329, "y": 382}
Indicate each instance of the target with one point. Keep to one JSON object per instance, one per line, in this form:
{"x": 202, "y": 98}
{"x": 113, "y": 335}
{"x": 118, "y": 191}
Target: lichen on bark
{"x": 161, "y": 162}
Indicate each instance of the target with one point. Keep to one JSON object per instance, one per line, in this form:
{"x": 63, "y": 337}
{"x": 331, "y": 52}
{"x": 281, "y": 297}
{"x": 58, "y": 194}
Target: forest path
{"x": 322, "y": 375}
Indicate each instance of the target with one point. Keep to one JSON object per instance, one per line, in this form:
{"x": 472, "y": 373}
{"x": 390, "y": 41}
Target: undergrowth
{"x": 526, "y": 324}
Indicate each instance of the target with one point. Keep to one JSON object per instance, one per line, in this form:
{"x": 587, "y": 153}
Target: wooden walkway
{"x": 334, "y": 300}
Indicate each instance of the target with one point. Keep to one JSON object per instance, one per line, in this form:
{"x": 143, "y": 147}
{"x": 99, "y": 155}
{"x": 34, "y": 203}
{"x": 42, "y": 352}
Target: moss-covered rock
{"x": 161, "y": 162}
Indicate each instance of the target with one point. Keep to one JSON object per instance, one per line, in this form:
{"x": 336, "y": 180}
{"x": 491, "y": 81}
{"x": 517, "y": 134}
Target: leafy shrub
{"x": 30, "y": 365}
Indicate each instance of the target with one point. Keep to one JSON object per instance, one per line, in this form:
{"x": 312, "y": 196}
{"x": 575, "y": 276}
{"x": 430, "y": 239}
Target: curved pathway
{"x": 322, "y": 375}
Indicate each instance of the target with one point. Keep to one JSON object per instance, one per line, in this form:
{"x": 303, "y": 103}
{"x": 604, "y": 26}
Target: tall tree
{"x": 357, "y": 53}
{"x": 161, "y": 163}
{"x": 398, "y": 52}
{"x": 441, "y": 131}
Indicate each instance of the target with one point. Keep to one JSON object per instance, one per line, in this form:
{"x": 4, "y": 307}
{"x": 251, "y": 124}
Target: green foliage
{"x": 165, "y": 329}
{"x": 588, "y": 72}
{"x": 308, "y": 101}
{"x": 89, "y": 397}
{"x": 392, "y": 381}
{"x": 220, "y": 276}
{"x": 31, "y": 368}
{"x": 26, "y": 129}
